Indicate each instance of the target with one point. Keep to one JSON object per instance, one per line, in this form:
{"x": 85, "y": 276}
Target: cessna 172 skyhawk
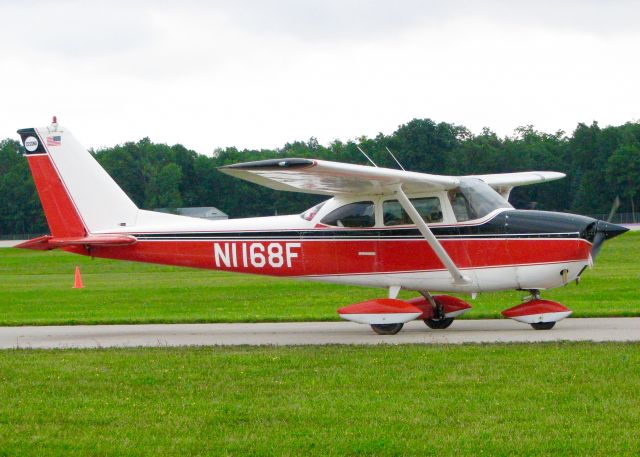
{"x": 382, "y": 227}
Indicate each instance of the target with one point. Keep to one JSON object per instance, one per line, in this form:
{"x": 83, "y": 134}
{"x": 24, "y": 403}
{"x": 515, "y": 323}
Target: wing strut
{"x": 458, "y": 277}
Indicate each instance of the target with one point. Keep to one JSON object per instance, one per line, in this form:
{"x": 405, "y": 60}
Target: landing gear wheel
{"x": 386, "y": 329}
{"x": 439, "y": 324}
{"x": 543, "y": 325}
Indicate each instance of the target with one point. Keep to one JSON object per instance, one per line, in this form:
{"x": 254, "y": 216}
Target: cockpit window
{"x": 360, "y": 214}
{"x": 309, "y": 214}
{"x": 474, "y": 199}
{"x": 428, "y": 207}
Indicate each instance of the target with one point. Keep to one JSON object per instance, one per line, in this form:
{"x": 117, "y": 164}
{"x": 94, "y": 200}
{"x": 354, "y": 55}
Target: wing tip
{"x": 552, "y": 175}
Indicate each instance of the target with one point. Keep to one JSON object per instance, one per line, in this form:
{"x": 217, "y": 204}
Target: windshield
{"x": 474, "y": 199}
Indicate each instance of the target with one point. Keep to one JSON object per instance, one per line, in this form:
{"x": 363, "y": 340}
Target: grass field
{"x": 35, "y": 288}
{"x": 546, "y": 399}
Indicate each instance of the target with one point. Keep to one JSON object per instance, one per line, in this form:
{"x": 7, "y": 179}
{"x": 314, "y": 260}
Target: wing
{"x": 334, "y": 178}
{"x": 504, "y": 182}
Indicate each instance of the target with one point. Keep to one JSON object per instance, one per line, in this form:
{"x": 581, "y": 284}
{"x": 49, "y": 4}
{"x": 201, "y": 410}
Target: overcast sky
{"x": 257, "y": 74}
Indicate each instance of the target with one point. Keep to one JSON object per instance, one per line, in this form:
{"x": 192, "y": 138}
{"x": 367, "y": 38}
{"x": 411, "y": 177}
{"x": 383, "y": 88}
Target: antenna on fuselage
{"x": 394, "y": 158}
{"x": 365, "y": 154}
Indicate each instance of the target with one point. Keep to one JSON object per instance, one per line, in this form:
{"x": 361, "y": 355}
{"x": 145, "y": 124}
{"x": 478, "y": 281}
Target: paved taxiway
{"x": 463, "y": 331}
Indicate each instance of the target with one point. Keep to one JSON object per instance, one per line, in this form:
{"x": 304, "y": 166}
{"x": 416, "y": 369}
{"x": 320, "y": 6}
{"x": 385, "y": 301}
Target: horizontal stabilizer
{"x": 48, "y": 242}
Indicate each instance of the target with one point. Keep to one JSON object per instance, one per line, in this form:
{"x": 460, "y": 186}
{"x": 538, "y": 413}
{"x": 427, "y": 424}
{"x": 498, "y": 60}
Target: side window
{"x": 309, "y": 214}
{"x": 393, "y": 214}
{"x": 429, "y": 209}
{"x": 360, "y": 214}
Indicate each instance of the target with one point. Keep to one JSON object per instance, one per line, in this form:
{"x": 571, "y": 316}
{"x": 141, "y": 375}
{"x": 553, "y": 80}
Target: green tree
{"x": 20, "y": 210}
{"x": 623, "y": 171}
{"x": 164, "y": 188}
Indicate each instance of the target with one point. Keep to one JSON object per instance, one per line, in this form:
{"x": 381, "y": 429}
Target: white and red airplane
{"x": 382, "y": 227}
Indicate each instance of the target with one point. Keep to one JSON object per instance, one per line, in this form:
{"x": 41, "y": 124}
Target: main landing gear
{"x": 438, "y": 319}
{"x": 439, "y": 324}
{"x": 387, "y": 316}
{"x": 392, "y": 329}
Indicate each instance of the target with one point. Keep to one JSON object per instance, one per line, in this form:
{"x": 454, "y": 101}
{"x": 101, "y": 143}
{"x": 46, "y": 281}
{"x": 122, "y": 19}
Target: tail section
{"x": 77, "y": 194}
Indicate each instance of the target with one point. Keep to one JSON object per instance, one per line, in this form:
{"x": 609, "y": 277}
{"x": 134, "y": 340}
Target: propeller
{"x": 603, "y": 228}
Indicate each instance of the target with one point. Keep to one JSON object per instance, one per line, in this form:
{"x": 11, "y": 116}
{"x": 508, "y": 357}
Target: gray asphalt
{"x": 463, "y": 331}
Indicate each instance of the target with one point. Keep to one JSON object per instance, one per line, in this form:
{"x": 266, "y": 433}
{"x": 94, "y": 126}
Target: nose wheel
{"x": 386, "y": 329}
{"x": 543, "y": 325}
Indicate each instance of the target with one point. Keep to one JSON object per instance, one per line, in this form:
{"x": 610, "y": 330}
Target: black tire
{"x": 543, "y": 325}
{"x": 386, "y": 329}
{"x": 439, "y": 324}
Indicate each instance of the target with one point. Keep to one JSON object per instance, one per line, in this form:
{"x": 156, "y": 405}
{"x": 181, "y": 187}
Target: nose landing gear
{"x": 540, "y": 314}
{"x": 386, "y": 329}
{"x": 543, "y": 325}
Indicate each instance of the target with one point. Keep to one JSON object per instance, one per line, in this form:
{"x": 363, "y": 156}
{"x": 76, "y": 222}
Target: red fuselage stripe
{"x": 325, "y": 257}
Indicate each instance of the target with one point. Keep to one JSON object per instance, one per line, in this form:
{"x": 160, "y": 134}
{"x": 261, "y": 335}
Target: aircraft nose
{"x": 609, "y": 230}
{"x": 604, "y": 231}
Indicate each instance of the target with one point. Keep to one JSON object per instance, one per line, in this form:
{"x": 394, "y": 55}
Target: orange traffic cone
{"x": 77, "y": 284}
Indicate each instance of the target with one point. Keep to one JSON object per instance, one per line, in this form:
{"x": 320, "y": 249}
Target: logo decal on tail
{"x": 31, "y": 141}
{"x": 31, "y": 144}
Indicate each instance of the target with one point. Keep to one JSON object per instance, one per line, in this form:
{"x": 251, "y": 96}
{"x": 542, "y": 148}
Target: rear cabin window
{"x": 429, "y": 209}
{"x": 309, "y": 214}
{"x": 359, "y": 214}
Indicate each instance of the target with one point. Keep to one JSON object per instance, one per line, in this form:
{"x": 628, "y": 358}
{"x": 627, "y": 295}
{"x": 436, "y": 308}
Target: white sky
{"x": 257, "y": 74}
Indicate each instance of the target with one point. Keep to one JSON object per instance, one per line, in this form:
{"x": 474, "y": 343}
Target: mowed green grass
{"x": 546, "y": 399}
{"x": 35, "y": 288}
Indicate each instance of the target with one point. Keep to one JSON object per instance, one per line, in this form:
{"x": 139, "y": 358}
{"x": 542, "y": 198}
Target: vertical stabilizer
{"x": 77, "y": 194}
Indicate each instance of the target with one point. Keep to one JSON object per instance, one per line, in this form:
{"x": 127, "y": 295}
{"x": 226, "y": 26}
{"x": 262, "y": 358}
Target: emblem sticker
{"x": 55, "y": 140}
{"x": 31, "y": 143}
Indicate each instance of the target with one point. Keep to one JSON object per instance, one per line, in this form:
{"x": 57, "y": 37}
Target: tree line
{"x": 600, "y": 163}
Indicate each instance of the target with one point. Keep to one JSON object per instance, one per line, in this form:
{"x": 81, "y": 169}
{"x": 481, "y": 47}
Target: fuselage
{"x": 507, "y": 249}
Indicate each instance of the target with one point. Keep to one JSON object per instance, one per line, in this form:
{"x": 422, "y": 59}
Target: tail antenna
{"x": 365, "y": 154}
{"x": 394, "y": 158}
